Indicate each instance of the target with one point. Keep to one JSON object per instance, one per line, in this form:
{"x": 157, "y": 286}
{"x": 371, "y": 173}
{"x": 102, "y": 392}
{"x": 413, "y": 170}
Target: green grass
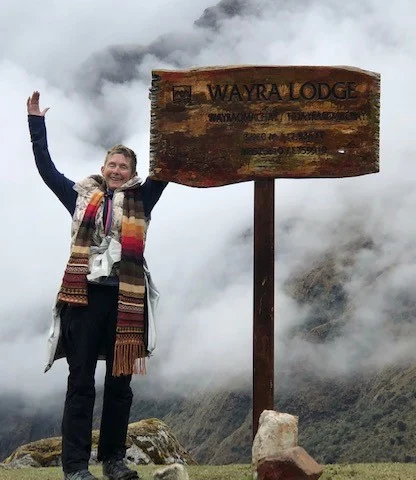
{"x": 374, "y": 471}
{"x": 370, "y": 471}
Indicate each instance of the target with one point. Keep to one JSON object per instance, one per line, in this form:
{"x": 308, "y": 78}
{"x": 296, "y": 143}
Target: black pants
{"x": 86, "y": 332}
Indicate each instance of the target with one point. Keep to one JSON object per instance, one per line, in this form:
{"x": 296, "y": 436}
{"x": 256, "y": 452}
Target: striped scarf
{"x": 129, "y": 348}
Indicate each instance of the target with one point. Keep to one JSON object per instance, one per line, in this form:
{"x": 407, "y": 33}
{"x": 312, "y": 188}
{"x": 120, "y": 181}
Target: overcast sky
{"x": 198, "y": 248}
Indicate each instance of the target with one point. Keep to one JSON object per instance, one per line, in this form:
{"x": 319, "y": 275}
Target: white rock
{"x": 135, "y": 455}
{"x": 27, "y": 461}
{"x": 276, "y": 432}
{"x": 172, "y": 472}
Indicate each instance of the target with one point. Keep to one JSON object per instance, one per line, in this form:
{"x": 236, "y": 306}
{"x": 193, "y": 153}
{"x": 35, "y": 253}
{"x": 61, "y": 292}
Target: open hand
{"x": 33, "y": 105}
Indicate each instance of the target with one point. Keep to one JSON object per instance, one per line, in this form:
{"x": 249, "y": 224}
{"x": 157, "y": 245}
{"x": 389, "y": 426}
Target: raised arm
{"x": 56, "y": 181}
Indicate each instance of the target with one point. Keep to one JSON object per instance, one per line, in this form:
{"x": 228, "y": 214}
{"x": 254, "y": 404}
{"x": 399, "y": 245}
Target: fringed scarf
{"x": 129, "y": 349}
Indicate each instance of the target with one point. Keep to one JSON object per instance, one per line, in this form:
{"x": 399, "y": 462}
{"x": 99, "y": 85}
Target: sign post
{"x": 217, "y": 126}
{"x": 263, "y": 299}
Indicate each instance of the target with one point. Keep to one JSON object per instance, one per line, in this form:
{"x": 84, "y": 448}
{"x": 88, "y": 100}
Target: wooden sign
{"x": 217, "y": 126}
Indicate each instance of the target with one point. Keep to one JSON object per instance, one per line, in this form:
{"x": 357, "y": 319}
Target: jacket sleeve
{"x": 151, "y": 192}
{"x": 56, "y": 181}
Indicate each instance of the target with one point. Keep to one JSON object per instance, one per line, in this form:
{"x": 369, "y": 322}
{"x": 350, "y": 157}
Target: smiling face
{"x": 117, "y": 170}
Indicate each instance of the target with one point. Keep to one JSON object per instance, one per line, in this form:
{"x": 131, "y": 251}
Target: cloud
{"x": 200, "y": 244}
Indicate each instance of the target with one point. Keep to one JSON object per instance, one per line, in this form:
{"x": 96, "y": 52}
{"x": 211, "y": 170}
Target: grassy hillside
{"x": 381, "y": 471}
{"x": 363, "y": 418}
{"x": 369, "y": 417}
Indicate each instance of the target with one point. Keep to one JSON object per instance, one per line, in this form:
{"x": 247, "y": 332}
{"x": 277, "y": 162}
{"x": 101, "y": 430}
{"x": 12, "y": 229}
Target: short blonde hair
{"x": 126, "y": 151}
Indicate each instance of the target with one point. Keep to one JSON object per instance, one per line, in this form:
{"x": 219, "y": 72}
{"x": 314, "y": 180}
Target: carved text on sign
{"x": 273, "y": 92}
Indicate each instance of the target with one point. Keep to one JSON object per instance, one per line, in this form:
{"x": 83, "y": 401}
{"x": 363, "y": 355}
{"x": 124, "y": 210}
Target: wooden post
{"x": 263, "y": 301}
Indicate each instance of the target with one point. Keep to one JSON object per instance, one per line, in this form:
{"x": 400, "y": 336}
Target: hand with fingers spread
{"x": 33, "y": 105}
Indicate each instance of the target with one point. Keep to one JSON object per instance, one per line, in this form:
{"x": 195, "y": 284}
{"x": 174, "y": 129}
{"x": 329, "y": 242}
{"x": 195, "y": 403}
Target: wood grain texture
{"x": 217, "y": 126}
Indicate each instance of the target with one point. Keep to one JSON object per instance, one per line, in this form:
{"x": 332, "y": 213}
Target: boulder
{"x": 149, "y": 441}
{"x": 172, "y": 472}
{"x": 291, "y": 464}
{"x": 276, "y": 432}
{"x": 154, "y": 438}
{"x": 43, "y": 453}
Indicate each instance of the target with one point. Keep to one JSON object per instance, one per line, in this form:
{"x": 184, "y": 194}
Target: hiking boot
{"x": 80, "y": 475}
{"x": 117, "y": 470}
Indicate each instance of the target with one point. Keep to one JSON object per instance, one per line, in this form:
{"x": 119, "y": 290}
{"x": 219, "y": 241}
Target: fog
{"x": 92, "y": 63}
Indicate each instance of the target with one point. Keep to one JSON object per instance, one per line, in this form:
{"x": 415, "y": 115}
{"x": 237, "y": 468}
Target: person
{"x": 104, "y": 308}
